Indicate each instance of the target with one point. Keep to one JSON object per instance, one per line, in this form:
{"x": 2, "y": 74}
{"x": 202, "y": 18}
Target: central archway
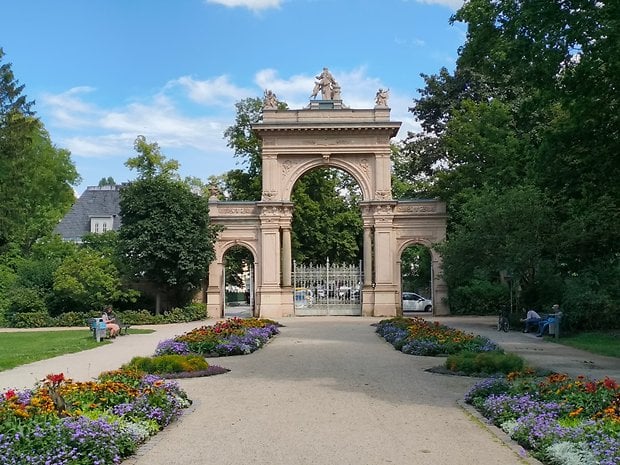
{"x": 357, "y": 141}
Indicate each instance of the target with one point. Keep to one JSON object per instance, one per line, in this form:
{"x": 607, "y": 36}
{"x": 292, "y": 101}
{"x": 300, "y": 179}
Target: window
{"x": 100, "y": 224}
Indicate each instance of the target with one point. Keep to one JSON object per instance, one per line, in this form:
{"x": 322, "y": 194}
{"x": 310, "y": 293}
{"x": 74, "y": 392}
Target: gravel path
{"x": 327, "y": 391}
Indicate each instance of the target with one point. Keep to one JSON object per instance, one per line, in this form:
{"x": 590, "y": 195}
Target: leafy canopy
{"x": 166, "y": 235}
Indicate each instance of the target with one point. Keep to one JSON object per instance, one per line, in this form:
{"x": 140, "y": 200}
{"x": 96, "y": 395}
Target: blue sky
{"x": 105, "y": 71}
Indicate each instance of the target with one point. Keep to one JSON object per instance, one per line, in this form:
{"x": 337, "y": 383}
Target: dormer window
{"x": 100, "y": 224}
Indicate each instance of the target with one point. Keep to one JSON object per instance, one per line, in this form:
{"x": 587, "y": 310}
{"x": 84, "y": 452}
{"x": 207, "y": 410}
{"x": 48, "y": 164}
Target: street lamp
{"x": 508, "y": 277}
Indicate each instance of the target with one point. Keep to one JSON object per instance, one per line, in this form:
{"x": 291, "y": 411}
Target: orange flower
{"x": 575, "y": 413}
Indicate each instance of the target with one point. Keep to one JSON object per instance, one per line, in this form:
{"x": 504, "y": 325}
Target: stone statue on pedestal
{"x": 327, "y": 85}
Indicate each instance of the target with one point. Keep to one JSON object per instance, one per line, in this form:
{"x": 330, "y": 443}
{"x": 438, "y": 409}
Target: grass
{"x": 601, "y": 343}
{"x": 20, "y": 348}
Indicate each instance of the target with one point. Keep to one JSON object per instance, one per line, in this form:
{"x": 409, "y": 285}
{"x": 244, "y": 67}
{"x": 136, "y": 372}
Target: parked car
{"x": 413, "y": 302}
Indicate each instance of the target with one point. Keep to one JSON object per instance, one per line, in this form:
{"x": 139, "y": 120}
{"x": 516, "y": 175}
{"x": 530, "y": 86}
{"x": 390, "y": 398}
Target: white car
{"x": 413, "y": 302}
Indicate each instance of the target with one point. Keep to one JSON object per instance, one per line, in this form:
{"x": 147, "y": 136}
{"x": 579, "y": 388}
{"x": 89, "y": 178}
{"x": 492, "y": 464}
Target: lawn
{"x": 602, "y": 343}
{"x": 19, "y": 348}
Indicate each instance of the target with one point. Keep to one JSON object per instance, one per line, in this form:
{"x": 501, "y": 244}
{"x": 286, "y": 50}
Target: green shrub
{"x": 192, "y": 312}
{"x": 31, "y": 320}
{"x": 164, "y": 364}
{"x": 488, "y": 363}
{"x": 71, "y": 319}
{"x": 478, "y": 297}
{"x": 590, "y": 300}
{"x": 24, "y": 300}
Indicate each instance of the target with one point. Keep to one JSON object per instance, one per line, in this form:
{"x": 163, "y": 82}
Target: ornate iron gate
{"x": 327, "y": 289}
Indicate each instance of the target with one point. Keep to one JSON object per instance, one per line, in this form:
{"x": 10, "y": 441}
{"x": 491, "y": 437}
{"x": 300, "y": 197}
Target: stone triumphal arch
{"x": 326, "y": 134}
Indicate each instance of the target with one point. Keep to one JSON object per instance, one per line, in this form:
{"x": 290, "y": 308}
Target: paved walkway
{"x": 541, "y": 352}
{"x": 326, "y": 390}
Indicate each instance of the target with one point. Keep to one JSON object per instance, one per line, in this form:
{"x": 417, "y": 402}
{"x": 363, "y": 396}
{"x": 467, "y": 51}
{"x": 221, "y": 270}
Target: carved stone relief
{"x": 236, "y": 210}
{"x": 269, "y": 195}
{"x": 383, "y": 195}
{"x": 416, "y": 208}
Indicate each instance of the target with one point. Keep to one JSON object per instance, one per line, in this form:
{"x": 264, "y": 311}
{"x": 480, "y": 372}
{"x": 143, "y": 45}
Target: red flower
{"x": 610, "y": 384}
{"x": 55, "y": 379}
{"x": 9, "y": 394}
{"x": 590, "y": 387}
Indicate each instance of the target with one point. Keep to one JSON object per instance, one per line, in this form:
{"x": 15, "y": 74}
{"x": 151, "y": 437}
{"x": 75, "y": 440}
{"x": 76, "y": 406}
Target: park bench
{"x": 123, "y": 326}
{"x": 550, "y": 324}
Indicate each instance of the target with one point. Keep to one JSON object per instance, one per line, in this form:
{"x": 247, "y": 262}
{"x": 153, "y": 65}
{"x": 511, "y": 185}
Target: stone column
{"x": 215, "y": 303}
{"x": 286, "y": 257}
{"x": 367, "y": 256}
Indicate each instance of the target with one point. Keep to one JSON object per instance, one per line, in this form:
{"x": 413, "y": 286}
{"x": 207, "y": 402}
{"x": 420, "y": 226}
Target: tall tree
{"x": 166, "y": 235}
{"x": 246, "y": 183}
{"x": 532, "y": 106}
{"x": 36, "y": 178}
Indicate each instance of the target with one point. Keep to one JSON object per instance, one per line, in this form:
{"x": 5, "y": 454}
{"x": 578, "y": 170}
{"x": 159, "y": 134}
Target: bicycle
{"x": 503, "y": 323}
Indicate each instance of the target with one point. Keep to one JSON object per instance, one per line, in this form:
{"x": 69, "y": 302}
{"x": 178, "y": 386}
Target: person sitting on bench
{"x": 108, "y": 318}
{"x": 531, "y": 320}
{"x": 543, "y": 325}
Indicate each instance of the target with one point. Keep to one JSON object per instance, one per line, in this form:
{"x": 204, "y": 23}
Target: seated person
{"x": 108, "y": 318}
{"x": 531, "y": 320}
{"x": 543, "y": 325}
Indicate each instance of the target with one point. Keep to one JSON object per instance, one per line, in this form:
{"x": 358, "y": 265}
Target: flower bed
{"x": 84, "y": 423}
{"x": 417, "y": 336}
{"x": 234, "y": 336}
{"x": 562, "y": 421}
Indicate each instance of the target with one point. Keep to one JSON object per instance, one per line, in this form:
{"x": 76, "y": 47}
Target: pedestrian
{"x": 531, "y": 320}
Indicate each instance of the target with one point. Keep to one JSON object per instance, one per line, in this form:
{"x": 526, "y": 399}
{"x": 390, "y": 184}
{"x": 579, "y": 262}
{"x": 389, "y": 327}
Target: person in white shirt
{"x": 531, "y": 320}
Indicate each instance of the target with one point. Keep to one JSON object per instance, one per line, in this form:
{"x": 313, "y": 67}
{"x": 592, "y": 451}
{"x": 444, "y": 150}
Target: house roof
{"x": 95, "y": 201}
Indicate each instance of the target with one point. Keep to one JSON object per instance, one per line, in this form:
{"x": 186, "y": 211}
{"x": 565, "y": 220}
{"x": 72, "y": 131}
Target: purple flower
{"x": 172, "y": 347}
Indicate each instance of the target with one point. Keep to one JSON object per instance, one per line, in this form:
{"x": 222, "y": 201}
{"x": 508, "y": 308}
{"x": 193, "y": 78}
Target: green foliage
{"x": 35, "y": 176}
{"x": 236, "y": 260}
{"x": 71, "y": 319}
{"x": 22, "y": 301}
{"x": 517, "y": 140}
{"x": 87, "y": 281}
{"x": 478, "y": 297}
{"x": 39, "y": 319}
{"x": 591, "y": 298}
{"x": 415, "y": 269}
{"x": 484, "y": 363}
{"x": 166, "y": 364}
{"x": 245, "y": 184}
{"x": 151, "y": 163}
{"x": 109, "y": 181}
{"x": 166, "y": 235}
{"x": 327, "y": 219}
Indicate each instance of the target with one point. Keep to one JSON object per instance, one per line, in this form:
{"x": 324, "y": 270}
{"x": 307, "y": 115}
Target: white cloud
{"x": 254, "y": 5}
{"x": 217, "y": 91}
{"x": 192, "y": 134}
{"x": 69, "y": 108}
{"x": 414, "y": 42}
{"x": 92, "y": 132}
{"x": 454, "y": 4}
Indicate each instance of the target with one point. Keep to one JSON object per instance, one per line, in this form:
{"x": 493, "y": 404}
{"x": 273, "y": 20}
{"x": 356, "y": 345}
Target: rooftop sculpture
{"x": 327, "y": 85}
